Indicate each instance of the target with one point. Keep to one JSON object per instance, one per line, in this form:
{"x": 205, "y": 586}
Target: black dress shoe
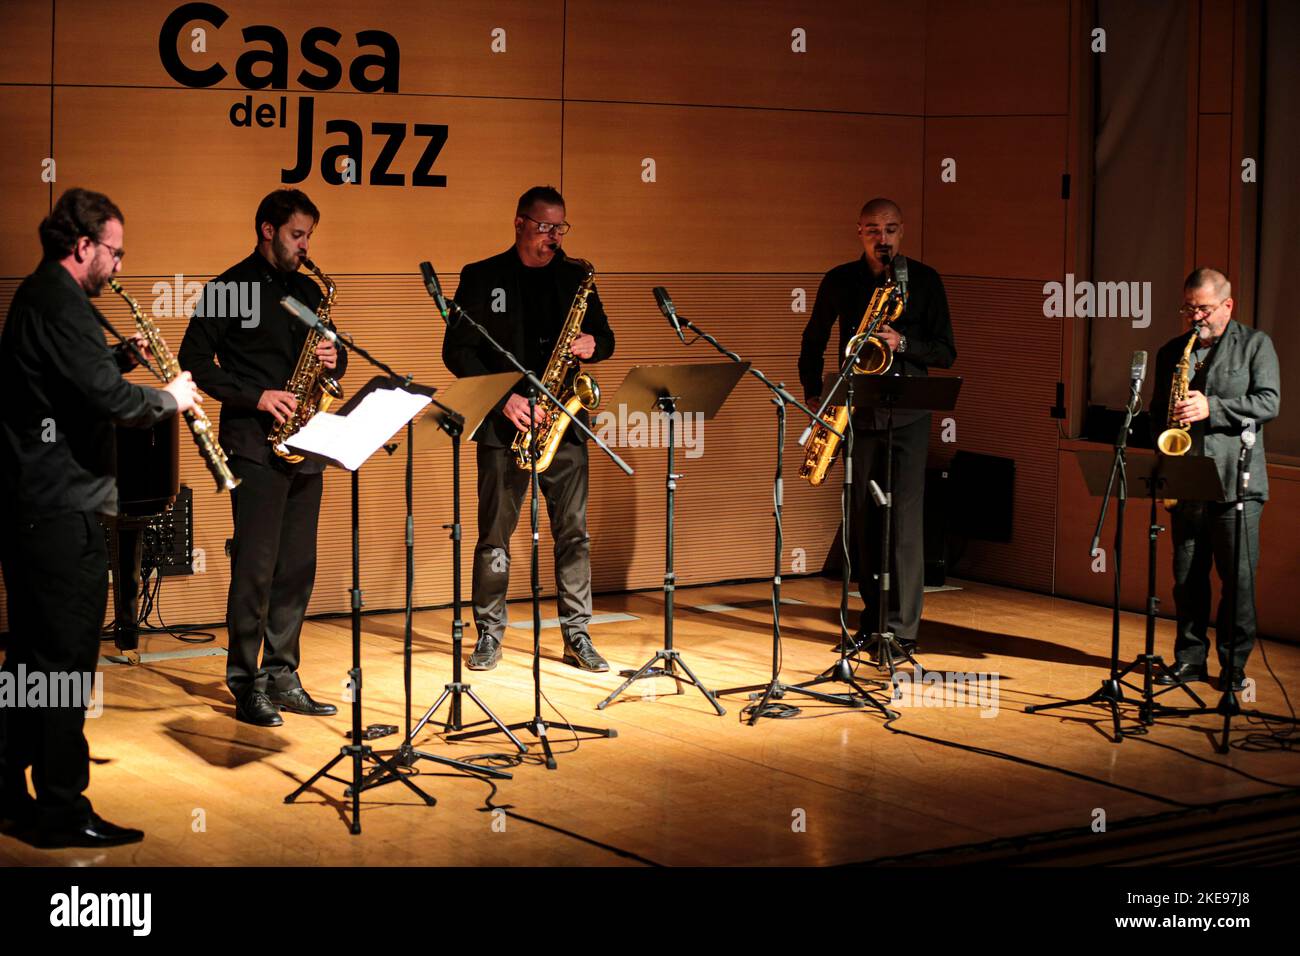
{"x": 1238, "y": 678}
{"x": 298, "y": 701}
{"x": 1186, "y": 672}
{"x": 487, "y": 654}
{"x": 582, "y": 655}
{"x": 96, "y": 832}
{"x": 256, "y": 708}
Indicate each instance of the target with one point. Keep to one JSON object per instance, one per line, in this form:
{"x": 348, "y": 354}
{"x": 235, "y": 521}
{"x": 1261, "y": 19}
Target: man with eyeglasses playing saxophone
{"x": 1232, "y": 377}
{"x": 522, "y": 297}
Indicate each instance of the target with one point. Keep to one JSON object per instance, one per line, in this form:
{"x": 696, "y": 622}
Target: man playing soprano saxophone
{"x": 1233, "y": 377}
{"x": 244, "y": 362}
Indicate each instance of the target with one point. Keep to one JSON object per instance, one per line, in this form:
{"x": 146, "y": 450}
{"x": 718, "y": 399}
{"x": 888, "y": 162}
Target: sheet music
{"x": 350, "y": 439}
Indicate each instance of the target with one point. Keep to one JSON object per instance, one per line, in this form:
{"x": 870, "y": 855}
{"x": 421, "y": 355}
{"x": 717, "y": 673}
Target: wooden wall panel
{"x": 735, "y": 190}
{"x": 1004, "y": 215}
{"x": 189, "y": 183}
{"x": 445, "y": 46}
{"x": 987, "y": 59}
{"x": 25, "y": 49}
{"x": 25, "y": 118}
{"x": 1214, "y": 170}
{"x": 860, "y": 56}
{"x": 1002, "y": 410}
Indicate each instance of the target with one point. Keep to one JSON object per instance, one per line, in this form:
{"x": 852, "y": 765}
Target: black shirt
{"x": 235, "y": 358}
{"x": 843, "y": 297}
{"x": 495, "y": 293}
{"x": 61, "y": 390}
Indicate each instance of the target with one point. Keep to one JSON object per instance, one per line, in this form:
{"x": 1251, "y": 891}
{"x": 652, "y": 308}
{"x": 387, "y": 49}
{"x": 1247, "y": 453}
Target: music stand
{"x": 346, "y": 440}
{"x": 474, "y": 397}
{"x": 1191, "y": 478}
{"x": 459, "y": 408}
{"x": 890, "y": 392}
{"x": 673, "y": 390}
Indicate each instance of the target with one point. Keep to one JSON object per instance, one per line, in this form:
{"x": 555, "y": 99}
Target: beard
{"x": 285, "y": 259}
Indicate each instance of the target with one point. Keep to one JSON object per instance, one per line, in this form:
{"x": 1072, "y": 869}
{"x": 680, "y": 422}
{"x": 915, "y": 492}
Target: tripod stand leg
{"x": 636, "y": 675}
{"x": 496, "y": 720}
{"x": 323, "y": 771}
{"x": 392, "y": 770}
{"x": 708, "y": 694}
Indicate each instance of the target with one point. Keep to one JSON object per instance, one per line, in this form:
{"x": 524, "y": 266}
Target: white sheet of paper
{"x": 351, "y": 439}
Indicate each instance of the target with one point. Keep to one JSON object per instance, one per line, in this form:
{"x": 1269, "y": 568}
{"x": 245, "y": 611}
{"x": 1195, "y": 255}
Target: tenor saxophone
{"x": 313, "y": 388}
{"x": 169, "y": 368}
{"x": 573, "y": 390}
{"x": 885, "y": 307}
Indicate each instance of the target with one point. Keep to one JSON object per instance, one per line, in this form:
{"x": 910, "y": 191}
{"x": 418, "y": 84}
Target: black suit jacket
{"x": 234, "y": 359}
{"x": 61, "y": 390}
{"x": 1240, "y": 381}
{"x": 489, "y": 291}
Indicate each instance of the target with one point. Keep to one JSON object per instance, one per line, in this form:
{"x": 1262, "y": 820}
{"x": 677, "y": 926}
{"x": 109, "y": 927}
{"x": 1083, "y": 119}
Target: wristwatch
{"x": 902, "y": 344}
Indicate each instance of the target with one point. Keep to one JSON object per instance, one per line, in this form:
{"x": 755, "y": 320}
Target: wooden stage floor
{"x": 680, "y": 785}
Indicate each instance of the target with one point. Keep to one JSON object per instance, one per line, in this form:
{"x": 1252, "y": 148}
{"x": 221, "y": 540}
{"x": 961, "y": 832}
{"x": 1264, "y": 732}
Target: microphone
{"x": 899, "y": 264}
{"x": 670, "y": 313}
{"x": 1247, "y": 449}
{"x": 308, "y": 318}
{"x": 446, "y": 307}
{"x": 1138, "y": 372}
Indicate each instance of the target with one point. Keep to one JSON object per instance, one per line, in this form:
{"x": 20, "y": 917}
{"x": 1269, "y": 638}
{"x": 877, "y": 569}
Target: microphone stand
{"x": 1111, "y": 694}
{"x": 536, "y": 725}
{"x": 775, "y": 688}
{"x": 841, "y": 671}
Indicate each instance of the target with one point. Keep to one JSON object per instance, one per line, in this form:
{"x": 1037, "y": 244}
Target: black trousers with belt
{"x": 1204, "y": 534}
{"x": 56, "y": 586}
{"x": 502, "y": 486}
{"x": 272, "y": 570}
{"x": 907, "y": 538}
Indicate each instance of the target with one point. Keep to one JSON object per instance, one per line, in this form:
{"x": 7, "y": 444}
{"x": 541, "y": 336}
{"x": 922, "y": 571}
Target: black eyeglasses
{"x": 546, "y": 228}
{"x": 1199, "y": 311}
{"x": 118, "y": 254}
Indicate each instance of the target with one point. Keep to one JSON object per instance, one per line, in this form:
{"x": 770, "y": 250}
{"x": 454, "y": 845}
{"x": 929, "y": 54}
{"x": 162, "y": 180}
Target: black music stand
{"x": 1187, "y": 478}
{"x": 673, "y": 390}
{"x": 347, "y": 442}
{"x": 474, "y": 397}
{"x": 459, "y": 408}
{"x": 890, "y": 392}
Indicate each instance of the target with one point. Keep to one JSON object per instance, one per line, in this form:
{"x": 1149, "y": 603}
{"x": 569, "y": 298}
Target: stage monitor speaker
{"x": 982, "y": 496}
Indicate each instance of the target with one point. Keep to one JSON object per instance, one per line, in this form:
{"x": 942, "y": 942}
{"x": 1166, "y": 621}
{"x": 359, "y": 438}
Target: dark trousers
{"x": 502, "y": 486}
{"x": 907, "y": 538}
{"x": 56, "y": 585}
{"x": 272, "y": 570}
{"x": 1204, "y": 534}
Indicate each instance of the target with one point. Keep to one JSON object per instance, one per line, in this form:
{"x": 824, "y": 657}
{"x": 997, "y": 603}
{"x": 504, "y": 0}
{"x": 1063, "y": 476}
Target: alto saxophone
{"x": 573, "y": 391}
{"x": 1177, "y": 439}
{"x": 313, "y": 388}
{"x": 885, "y": 307}
{"x": 169, "y": 368}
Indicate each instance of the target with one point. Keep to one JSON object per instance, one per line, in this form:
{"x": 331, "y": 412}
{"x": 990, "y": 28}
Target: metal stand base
{"x": 672, "y": 660}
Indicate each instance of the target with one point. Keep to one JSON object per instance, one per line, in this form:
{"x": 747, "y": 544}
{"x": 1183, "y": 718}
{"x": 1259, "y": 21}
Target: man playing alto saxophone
{"x": 244, "y": 362}
{"x": 522, "y": 297}
{"x": 1233, "y": 376}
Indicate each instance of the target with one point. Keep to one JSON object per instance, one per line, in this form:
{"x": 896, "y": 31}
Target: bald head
{"x": 880, "y": 227}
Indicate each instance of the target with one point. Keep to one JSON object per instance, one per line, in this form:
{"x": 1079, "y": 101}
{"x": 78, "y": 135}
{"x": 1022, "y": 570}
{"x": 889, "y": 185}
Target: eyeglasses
{"x": 1200, "y": 312}
{"x": 546, "y": 228}
{"x": 118, "y": 254}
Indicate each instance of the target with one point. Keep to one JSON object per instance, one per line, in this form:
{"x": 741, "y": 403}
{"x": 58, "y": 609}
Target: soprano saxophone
{"x": 313, "y": 388}
{"x": 573, "y": 391}
{"x": 169, "y": 368}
